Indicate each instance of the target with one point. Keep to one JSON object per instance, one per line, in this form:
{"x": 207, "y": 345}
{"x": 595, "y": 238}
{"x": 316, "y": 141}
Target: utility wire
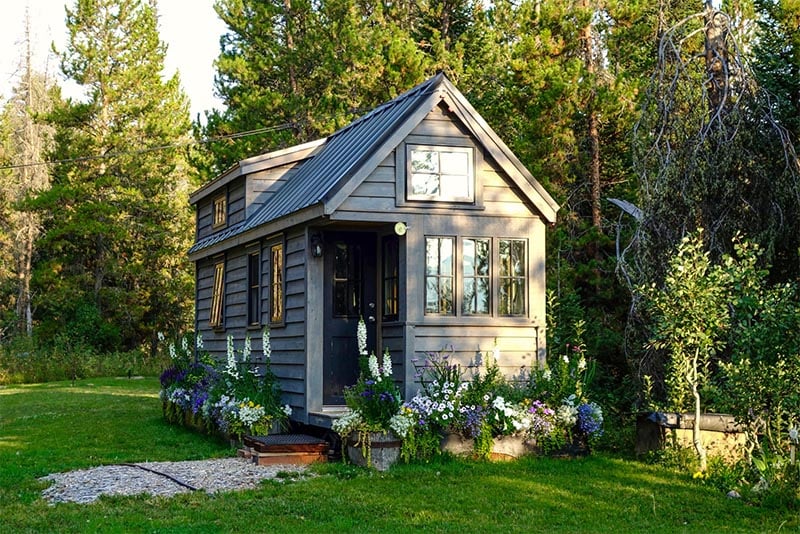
{"x": 207, "y": 140}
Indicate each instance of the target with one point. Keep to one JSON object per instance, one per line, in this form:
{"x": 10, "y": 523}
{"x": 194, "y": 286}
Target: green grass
{"x": 56, "y": 427}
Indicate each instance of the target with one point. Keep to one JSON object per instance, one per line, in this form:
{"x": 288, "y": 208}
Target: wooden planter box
{"x": 384, "y": 450}
{"x": 720, "y": 434}
{"x": 503, "y": 447}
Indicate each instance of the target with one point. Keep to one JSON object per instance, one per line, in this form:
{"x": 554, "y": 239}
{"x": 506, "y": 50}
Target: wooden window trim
{"x": 219, "y": 211}
{"x": 216, "y": 315}
{"x": 470, "y": 199}
{"x": 441, "y": 277}
{"x": 254, "y": 289}
{"x": 277, "y": 285}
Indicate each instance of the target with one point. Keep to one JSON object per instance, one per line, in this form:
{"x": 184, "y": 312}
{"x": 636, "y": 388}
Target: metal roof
{"x": 325, "y": 173}
{"x": 337, "y": 159}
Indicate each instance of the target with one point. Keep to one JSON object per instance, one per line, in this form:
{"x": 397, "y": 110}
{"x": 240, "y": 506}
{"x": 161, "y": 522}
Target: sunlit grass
{"x": 47, "y": 428}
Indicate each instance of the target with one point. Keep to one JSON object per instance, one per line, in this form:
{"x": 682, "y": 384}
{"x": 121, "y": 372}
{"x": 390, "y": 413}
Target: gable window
{"x": 220, "y": 211}
{"x": 391, "y": 278}
{"x": 513, "y": 273}
{"x": 439, "y": 275}
{"x": 475, "y": 256}
{"x": 254, "y": 289}
{"x": 276, "y": 284}
{"x": 217, "y": 296}
{"x": 440, "y": 173}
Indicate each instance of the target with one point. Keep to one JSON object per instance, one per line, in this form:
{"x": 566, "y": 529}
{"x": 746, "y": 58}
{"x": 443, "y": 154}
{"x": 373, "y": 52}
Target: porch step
{"x": 295, "y": 449}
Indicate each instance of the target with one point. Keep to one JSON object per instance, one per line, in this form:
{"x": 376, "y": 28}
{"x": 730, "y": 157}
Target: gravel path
{"x": 225, "y": 474}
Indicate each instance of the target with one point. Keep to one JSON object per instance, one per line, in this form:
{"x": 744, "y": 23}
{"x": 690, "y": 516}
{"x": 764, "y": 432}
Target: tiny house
{"x": 416, "y": 217}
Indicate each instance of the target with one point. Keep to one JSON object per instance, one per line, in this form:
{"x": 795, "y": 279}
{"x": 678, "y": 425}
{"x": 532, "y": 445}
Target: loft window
{"x": 439, "y": 274}
{"x": 475, "y": 256}
{"x": 220, "y": 211}
{"x": 391, "y": 278}
{"x": 254, "y": 289}
{"x": 217, "y": 296}
{"x": 513, "y": 274}
{"x": 440, "y": 173}
{"x": 276, "y": 284}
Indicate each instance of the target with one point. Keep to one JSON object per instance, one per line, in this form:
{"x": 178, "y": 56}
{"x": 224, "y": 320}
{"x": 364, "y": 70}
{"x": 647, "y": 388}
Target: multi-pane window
{"x": 346, "y": 280}
{"x": 254, "y": 289}
{"x": 391, "y": 278}
{"x": 217, "y": 295}
{"x": 475, "y": 255}
{"x": 220, "y": 211}
{"x": 276, "y": 284}
{"x": 440, "y": 173}
{"x": 439, "y": 275}
{"x": 511, "y": 290}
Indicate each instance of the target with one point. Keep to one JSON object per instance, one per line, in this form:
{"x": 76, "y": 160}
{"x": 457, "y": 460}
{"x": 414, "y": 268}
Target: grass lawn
{"x": 56, "y": 427}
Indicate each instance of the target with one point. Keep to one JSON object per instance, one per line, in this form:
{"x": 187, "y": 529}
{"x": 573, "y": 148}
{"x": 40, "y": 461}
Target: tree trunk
{"x": 716, "y": 54}
{"x": 696, "y": 435}
{"x": 593, "y": 130}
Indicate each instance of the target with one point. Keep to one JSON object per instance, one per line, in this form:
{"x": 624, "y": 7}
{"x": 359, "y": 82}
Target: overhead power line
{"x": 204, "y": 141}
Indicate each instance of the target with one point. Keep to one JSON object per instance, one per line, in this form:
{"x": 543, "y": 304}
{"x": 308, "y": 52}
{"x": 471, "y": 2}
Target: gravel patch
{"x": 224, "y": 474}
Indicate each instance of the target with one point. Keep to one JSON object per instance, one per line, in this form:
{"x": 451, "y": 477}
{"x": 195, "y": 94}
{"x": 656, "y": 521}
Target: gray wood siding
{"x": 381, "y": 192}
{"x": 517, "y": 344}
{"x": 288, "y": 340}
{"x": 392, "y": 338}
{"x": 261, "y": 186}
{"x": 204, "y": 218}
{"x": 236, "y": 201}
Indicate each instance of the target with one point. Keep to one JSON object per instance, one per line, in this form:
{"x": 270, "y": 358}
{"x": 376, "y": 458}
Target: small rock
{"x": 733, "y": 494}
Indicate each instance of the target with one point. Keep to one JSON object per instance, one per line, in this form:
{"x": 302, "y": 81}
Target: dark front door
{"x": 349, "y": 294}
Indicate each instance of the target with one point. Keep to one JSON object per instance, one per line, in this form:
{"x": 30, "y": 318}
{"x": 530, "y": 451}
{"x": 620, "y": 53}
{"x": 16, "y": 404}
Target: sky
{"x": 190, "y": 28}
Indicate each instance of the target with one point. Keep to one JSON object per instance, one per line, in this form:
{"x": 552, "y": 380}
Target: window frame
{"x": 216, "y": 316}
{"x": 277, "y": 284}
{"x": 475, "y": 277}
{"x": 390, "y": 277}
{"x": 471, "y": 177}
{"x": 439, "y": 277}
{"x": 254, "y": 289}
{"x": 219, "y": 211}
{"x": 512, "y": 277}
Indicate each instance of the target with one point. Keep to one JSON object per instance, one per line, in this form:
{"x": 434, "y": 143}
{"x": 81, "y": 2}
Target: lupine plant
{"x": 234, "y": 397}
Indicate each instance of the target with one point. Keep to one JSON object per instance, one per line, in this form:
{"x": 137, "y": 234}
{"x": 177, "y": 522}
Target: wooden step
{"x": 294, "y": 449}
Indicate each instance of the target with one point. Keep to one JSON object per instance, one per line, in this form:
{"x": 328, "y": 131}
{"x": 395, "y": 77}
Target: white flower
{"x": 199, "y": 342}
{"x": 247, "y": 349}
{"x": 547, "y": 375}
{"x": 185, "y": 344}
{"x": 387, "y": 364}
{"x": 582, "y": 364}
{"x": 231, "y": 367}
{"x": 172, "y": 353}
{"x": 265, "y": 345}
{"x": 287, "y": 410}
{"x": 160, "y": 337}
{"x": 793, "y": 434}
{"x": 373, "y": 367}
{"x": 566, "y": 359}
{"x": 361, "y": 336}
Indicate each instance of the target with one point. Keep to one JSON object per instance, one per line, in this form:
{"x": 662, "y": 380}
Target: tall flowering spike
{"x": 160, "y": 337}
{"x": 199, "y": 342}
{"x": 172, "y": 353}
{"x": 387, "y": 364}
{"x": 231, "y": 368}
{"x": 361, "y": 335}
{"x": 373, "y": 367}
{"x": 266, "y": 347}
{"x": 185, "y": 344}
{"x": 247, "y": 351}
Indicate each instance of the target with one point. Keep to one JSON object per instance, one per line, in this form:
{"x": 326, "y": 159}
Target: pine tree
{"x": 26, "y": 141}
{"x": 293, "y": 71}
{"x": 117, "y": 218}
